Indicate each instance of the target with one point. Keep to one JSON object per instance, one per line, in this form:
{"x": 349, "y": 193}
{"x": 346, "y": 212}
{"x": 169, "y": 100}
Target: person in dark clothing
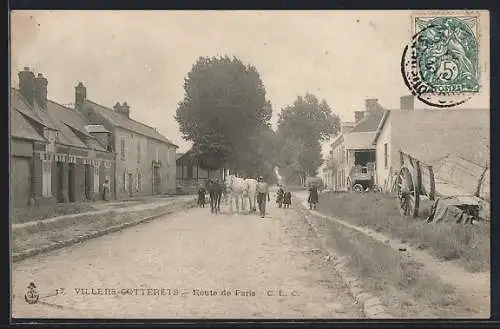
{"x": 201, "y": 197}
{"x": 262, "y": 193}
{"x": 313, "y": 197}
{"x": 105, "y": 190}
{"x": 287, "y": 199}
{"x": 279, "y": 196}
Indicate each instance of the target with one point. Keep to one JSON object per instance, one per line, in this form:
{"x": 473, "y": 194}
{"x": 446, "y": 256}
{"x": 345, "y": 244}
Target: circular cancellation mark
{"x": 440, "y": 64}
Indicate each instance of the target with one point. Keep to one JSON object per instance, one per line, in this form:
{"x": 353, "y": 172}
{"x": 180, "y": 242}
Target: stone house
{"x": 145, "y": 159}
{"x": 54, "y": 157}
{"x": 455, "y": 141}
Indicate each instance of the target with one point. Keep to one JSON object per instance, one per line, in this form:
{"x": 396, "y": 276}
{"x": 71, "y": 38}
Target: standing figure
{"x": 201, "y": 197}
{"x": 287, "y": 199}
{"x": 105, "y": 190}
{"x": 262, "y": 192}
{"x": 313, "y": 198}
{"x": 279, "y": 196}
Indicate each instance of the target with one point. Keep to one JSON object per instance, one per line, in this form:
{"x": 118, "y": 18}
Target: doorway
{"x": 88, "y": 182}
{"x": 71, "y": 182}
{"x": 130, "y": 185}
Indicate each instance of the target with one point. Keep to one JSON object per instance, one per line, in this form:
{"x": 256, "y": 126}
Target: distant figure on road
{"x": 105, "y": 190}
{"x": 287, "y": 199}
{"x": 201, "y": 197}
{"x": 279, "y": 196}
{"x": 262, "y": 192}
{"x": 313, "y": 198}
{"x": 215, "y": 190}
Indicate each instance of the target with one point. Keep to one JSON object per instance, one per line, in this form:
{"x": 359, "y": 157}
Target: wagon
{"x": 417, "y": 181}
{"x": 361, "y": 177}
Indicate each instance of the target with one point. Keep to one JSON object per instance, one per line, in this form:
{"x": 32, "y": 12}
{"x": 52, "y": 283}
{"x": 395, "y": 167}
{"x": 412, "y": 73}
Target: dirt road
{"x": 189, "y": 265}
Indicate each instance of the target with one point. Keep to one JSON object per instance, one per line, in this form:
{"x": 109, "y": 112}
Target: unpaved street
{"x": 162, "y": 269}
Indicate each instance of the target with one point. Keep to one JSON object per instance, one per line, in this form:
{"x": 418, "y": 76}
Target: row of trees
{"x": 226, "y": 114}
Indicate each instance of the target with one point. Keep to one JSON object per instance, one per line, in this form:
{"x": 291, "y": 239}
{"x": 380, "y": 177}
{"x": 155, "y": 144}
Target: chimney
{"x": 117, "y": 107}
{"x": 41, "y": 90}
{"x": 371, "y": 105}
{"x": 407, "y": 102}
{"x": 27, "y": 85}
{"x": 125, "y": 110}
{"x": 80, "y": 95}
{"x": 358, "y": 116}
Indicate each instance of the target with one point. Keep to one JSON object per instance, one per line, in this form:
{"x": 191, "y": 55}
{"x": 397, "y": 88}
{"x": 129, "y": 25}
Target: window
{"x": 46, "y": 178}
{"x": 385, "y": 156}
{"x": 138, "y": 152}
{"x": 156, "y": 154}
{"x": 96, "y": 179}
{"x": 122, "y": 147}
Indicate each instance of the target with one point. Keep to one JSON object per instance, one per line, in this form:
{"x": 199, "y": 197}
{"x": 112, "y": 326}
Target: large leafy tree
{"x": 223, "y": 111}
{"x": 302, "y": 127}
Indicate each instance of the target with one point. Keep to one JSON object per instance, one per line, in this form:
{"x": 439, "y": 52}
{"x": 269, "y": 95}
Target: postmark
{"x": 440, "y": 65}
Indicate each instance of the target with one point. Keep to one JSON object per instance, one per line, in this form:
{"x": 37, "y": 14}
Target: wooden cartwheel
{"x": 409, "y": 186}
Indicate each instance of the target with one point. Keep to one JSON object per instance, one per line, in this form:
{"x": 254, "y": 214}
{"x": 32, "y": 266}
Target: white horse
{"x": 252, "y": 193}
{"x": 237, "y": 188}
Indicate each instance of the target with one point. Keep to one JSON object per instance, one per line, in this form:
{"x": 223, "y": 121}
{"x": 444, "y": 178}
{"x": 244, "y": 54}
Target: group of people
{"x": 283, "y": 197}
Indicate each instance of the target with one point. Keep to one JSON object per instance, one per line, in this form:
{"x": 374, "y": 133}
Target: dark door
{"x": 156, "y": 180}
{"x": 88, "y": 182}
{"x": 21, "y": 181}
{"x": 60, "y": 181}
{"x": 71, "y": 182}
{"x": 130, "y": 185}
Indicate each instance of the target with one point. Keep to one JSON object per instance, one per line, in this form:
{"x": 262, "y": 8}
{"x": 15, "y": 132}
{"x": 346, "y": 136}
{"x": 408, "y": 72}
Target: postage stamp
{"x": 440, "y": 65}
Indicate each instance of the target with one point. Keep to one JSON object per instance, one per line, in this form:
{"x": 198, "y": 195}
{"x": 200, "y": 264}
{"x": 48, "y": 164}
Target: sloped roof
{"x": 34, "y": 112}
{"x": 122, "y": 121}
{"x": 178, "y": 155}
{"x": 360, "y": 140}
{"x": 187, "y": 158}
{"x": 21, "y": 128}
{"x": 370, "y": 122}
{"x": 71, "y": 126}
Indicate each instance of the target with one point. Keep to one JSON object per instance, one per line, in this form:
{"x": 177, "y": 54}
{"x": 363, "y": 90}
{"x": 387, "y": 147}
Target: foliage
{"x": 301, "y": 129}
{"x": 223, "y": 111}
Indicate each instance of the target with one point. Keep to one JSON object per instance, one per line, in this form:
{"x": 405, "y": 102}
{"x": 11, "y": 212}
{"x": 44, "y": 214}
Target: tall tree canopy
{"x": 224, "y": 111}
{"x": 301, "y": 129}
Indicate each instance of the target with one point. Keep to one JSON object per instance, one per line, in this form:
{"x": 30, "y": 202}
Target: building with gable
{"x": 145, "y": 159}
{"x": 54, "y": 157}
{"x": 353, "y": 146}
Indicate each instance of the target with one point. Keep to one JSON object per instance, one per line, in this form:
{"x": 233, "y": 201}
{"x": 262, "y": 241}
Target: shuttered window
{"x": 46, "y": 178}
{"x": 139, "y": 181}
{"x": 125, "y": 181}
{"x": 138, "y": 152}
{"x": 122, "y": 148}
{"x": 96, "y": 179}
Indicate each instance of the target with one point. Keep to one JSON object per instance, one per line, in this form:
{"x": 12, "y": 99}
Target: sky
{"x": 142, "y": 57}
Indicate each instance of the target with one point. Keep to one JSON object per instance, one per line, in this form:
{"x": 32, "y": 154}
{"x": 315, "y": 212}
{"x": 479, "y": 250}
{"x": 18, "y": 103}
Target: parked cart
{"x": 361, "y": 178}
{"x": 417, "y": 180}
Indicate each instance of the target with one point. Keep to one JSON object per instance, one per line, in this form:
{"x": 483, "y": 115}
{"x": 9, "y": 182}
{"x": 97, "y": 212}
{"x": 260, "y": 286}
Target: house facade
{"x": 434, "y": 137}
{"x": 145, "y": 159}
{"x": 353, "y": 146}
{"x": 54, "y": 157}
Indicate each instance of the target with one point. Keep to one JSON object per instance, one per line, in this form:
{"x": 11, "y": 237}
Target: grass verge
{"x": 44, "y": 234}
{"x": 469, "y": 245}
{"x": 40, "y": 212}
{"x": 400, "y": 283}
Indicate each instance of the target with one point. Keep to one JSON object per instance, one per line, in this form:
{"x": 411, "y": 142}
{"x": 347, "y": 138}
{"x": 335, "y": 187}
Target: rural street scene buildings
{"x": 250, "y": 165}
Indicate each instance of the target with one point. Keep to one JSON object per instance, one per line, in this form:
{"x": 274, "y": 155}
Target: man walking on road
{"x": 262, "y": 192}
